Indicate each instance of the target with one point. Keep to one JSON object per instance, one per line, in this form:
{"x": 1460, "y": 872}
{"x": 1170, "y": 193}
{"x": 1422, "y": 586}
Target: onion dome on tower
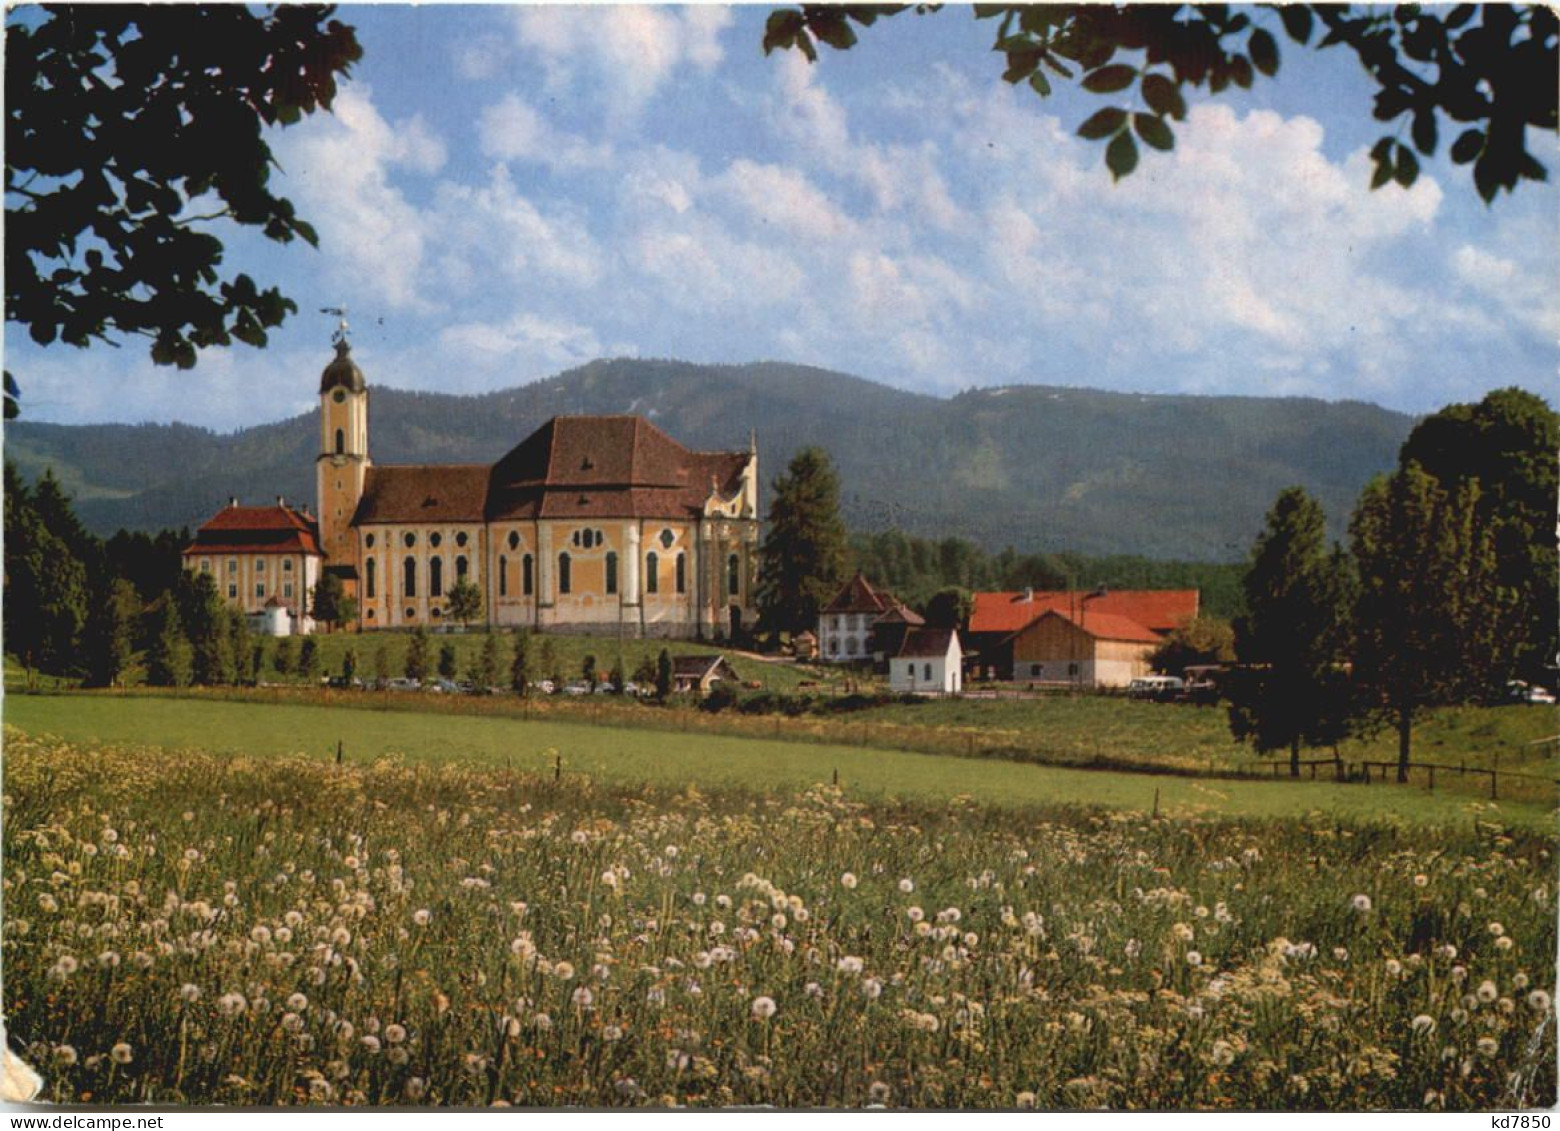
{"x": 342, "y": 373}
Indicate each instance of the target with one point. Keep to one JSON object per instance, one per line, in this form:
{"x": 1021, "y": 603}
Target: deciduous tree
{"x": 1485, "y": 71}
{"x": 133, "y": 134}
{"x": 1428, "y": 600}
{"x": 465, "y": 602}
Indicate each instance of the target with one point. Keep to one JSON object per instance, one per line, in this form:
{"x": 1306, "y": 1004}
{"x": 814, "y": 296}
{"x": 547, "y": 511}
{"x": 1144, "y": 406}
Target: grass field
{"x": 217, "y": 927}
{"x": 676, "y": 759}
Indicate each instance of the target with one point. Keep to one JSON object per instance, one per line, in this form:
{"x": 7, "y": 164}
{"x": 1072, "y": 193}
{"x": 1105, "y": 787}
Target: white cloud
{"x": 340, "y": 169}
{"x": 510, "y": 130}
{"x": 625, "y": 53}
{"x": 492, "y": 226}
{"x": 511, "y": 352}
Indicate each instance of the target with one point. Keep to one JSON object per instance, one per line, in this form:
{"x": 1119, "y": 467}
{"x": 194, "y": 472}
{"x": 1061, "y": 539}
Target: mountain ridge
{"x": 1038, "y": 467}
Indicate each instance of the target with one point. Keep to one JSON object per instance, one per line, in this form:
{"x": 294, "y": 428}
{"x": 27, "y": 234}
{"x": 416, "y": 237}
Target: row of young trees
{"x": 1446, "y": 593}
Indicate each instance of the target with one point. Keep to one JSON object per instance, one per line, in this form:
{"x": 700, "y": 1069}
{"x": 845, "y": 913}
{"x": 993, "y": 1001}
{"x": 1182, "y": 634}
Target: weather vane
{"x": 340, "y": 312}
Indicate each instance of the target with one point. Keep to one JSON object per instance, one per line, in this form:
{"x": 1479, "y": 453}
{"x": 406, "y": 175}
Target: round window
{"x": 411, "y": 539}
{"x": 514, "y": 540}
{"x": 411, "y": 613}
{"x": 460, "y": 539}
{"x": 434, "y": 540}
{"x": 338, "y": 396}
{"x": 667, "y": 538}
{"x": 368, "y": 541}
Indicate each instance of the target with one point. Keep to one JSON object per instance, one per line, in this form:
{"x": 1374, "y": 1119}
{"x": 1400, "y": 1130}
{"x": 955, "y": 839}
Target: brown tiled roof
{"x": 901, "y": 613}
{"x": 926, "y": 643}
{"x": 607, "y": 467}
{"x": 1162, "y": 610}
{"x": 697, "y": 667}
{"x": 858, "y": 596}
{"x": 423, "y": 493}
{"x": 256, "y": 530}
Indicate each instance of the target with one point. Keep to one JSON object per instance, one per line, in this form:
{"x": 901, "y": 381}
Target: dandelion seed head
{"x": 848, "y": 881}
{"x": 1360, "y": 902}
{"x": 121, "y": 1053}
{"x": 763, "y": 1008}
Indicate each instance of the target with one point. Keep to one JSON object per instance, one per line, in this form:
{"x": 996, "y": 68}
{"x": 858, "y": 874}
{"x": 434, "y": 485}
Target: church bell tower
{"x": 343, "y": 462}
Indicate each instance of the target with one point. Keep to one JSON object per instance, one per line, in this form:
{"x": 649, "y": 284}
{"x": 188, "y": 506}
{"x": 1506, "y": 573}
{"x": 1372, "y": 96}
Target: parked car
{"x": 545, "y": 686}
{"x": 1160, "y": 688}
{"x": 1520, "y": 691}
{"x": 578, "y": 687}
{"x": 400, "y": 683}
{"x": 442, "y": 686}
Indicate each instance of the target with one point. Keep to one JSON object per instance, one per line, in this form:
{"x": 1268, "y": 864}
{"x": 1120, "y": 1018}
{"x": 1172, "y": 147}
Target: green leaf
{"x": 1103, "y": 123}
{"x": 1382, "y": 156}
{"x": 1163, "y": 97}
{"x": 1108, "y": 80}
{"x": 1022, "y": 64}
{"x": 1240, "y": 72}
{"x": 1263, "y": 51}
{"x": 1407, "y": 171}
{"x": 1297, "y": 21}
{"x": 1041, "y": 84}
{"x": 1121, "y": 156}
{"x": 1153, "y": 131}
{"x": 833, "y": 29}
{"x": 1468, "y": 146}
{"x": 782, "y": 29}
{"x": 1425, "y": 131}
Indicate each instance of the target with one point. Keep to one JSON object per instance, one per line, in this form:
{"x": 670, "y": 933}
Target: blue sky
{"x": 505, "y": 192}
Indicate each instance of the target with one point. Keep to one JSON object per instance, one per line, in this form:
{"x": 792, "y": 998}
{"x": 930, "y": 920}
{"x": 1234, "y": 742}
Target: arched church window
{"x": 564, "y": 580}
{"x": 733, "y": 575}
{"x": 460, "y": 568}
{"x": 527, "y": 575}
{"x": 682, "y": 573}
{"x": 612, "y": 570}
{"x": 503, "y": 576}
{"x": 370, "y": 574}
{"x": 652, "y": 572}
{"x": 409, "y": 579}
{"x": 435, "y": 577}
{"x": 341, "y": 442}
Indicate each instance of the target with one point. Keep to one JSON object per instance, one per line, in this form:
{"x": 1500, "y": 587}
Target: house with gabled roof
{"x": 845, "y": 623}
{"x": 1082, "y": 648}
{"x": 999, "y": 622}
{"x": 264, "y": 560}
{"x": 929, "y": 661}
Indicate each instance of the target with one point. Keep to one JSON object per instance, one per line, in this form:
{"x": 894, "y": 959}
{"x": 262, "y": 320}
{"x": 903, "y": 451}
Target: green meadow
{"x": 671, "y": 758}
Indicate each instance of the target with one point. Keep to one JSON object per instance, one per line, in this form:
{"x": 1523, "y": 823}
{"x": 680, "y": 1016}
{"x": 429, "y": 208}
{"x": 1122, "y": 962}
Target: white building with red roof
{"x": 930, "y": 661}
{"x": 265, "y": 560}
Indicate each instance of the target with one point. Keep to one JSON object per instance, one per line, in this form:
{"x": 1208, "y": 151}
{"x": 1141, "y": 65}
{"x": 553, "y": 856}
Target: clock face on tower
{"x": 339, "y": 395}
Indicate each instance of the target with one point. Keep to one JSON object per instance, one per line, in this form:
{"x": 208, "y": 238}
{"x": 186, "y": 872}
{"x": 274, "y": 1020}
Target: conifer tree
{"x": 309, "y": 660}
{"x": 240, "y": 643}
{"x": 663, "y": 675}
{"x": 282, "y": 657}
{"x": 1291, "y": 637}
{"x": 206, "y": 624}
{"x": 111, "y": 634}
{"x": 485, "y": 673}
{"x": 416, "y": 666}
{"x": 804, "y": 555}
{"x": 447, "y": 660}
{"x": 349, "y": 663}
{"x": 520, "y": 667}
{"x": 381, "y": 663}
{"x": 168, "y": 658}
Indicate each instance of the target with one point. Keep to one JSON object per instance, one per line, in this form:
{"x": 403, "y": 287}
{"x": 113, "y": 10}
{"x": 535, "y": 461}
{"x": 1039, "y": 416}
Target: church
{"x": 592, "y": 524}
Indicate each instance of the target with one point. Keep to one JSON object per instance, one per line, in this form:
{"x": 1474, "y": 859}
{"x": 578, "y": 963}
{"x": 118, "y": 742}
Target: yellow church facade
{"x": 599, "y": 524}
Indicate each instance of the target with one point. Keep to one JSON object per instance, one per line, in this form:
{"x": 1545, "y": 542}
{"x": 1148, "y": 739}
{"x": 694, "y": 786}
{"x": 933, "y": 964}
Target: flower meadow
{"x": 186, "y": 928}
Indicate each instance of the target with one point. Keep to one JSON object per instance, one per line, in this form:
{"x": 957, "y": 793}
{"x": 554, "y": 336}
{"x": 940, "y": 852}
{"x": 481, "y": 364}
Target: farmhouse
{"x": 590, "y": 524}
{"x": 861, "y": 623}
{"x": 1098, "y": 639}
{"x": 700, "y": 674}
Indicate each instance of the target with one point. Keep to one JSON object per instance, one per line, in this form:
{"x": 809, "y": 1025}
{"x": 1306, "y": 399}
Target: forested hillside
{"x": 1033, "y": 467}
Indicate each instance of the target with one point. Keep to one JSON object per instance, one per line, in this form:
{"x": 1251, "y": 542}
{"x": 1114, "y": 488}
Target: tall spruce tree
{"x": 1291, "y": 638}
{"x": 1428, "y": 602}
{"x": 47, "y": 588}
{"x": 804, "y": 556}
{"x": 168, "y": 655}
{"x": 111, "y": 634}
{"x": 484, "y": 673}
{"x": 205, "y": 620}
